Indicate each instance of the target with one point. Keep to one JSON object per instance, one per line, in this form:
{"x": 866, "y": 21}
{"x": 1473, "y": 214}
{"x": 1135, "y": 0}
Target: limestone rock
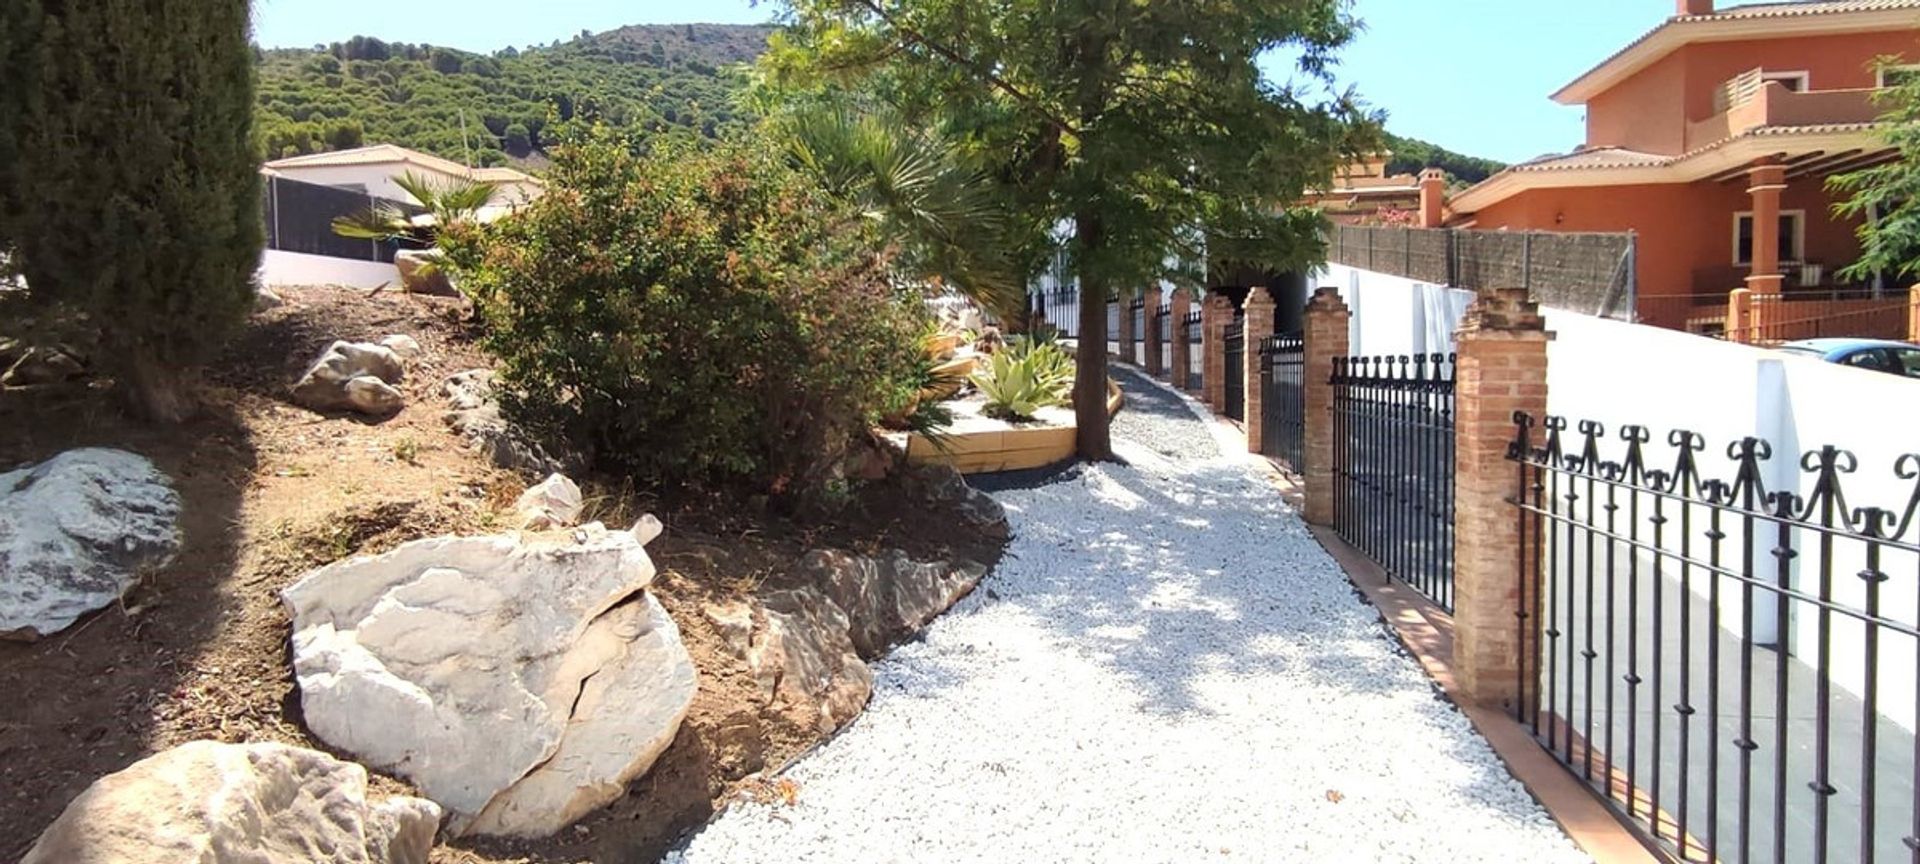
{"x": 405, "y": 347}
{"x": 75, "y": 532}
{"x": 520, "y": 683}
{"x": 353, "y": 376}
{"x": 474, "y": 413}
{"x": 944, "y": 485}
{"x": 552, "y": 503}
{"x": 890, "y": 596}
{"x": 806, "y": 659}
{"x": 211, "y": 803}
{"x": 421, "y": 272}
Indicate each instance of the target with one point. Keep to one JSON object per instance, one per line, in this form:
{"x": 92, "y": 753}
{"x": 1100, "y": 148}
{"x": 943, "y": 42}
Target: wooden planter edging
{"x": 1009, "y": 449}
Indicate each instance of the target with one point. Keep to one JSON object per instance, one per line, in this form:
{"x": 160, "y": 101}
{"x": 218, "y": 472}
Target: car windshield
{"x": 1803, "y": 350}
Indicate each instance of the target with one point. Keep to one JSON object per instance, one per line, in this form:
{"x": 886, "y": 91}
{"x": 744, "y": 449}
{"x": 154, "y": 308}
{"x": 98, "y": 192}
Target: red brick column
{"x": 1326, "y": 339}
{"x": 1740, "y": 316}
{"x": 1259, "y": 325}
{"x": 1149, "y": 319}
{"x": 1913, "y": 314}
{"x": 1182, "y": 354}
{"x": 1502, "y": 370}
{"x": 1218, "y": 312}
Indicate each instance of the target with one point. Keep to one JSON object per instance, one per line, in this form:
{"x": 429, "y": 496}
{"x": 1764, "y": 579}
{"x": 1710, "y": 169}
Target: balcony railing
{"x": 1747, "y": 102}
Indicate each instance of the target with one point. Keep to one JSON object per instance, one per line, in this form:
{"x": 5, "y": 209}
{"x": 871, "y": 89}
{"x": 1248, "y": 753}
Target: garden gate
{"x": 1283, "y": 399}
{"x": 1393, "y": 438}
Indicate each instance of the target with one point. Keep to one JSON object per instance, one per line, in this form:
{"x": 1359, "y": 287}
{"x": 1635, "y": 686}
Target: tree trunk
{"x": 1093, "y": 441}
{"x": 156, "y": 391}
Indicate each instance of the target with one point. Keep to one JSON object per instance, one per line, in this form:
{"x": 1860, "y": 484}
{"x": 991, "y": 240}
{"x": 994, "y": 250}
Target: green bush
{"x": 1030, "y": 374}
{"x": 691, "y": 316}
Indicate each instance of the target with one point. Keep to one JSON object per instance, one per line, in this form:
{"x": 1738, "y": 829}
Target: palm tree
{"x": 447, "y": 203}
{"x": 942, "y": 211}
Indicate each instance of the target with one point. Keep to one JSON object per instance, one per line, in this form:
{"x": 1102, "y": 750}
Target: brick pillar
{"x": 1123, "y": 340}
{"x": 1182, "y": 356}
{"x": 1502, "y": 370}
{"x": 1218, "y": 313}
{"x": 1259, "y": 325}
{"x": 1150, "y": 318}
{"x": 1740, "y": 316}
{"x": 1913, "y": 314}
{"x": 1326, "y": 339}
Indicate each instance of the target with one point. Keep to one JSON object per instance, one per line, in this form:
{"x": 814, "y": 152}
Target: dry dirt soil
{"x": 198, "y": 650}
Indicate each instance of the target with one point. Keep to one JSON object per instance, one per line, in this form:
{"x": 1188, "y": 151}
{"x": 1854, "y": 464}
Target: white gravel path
{"x": 1165, "y": 667}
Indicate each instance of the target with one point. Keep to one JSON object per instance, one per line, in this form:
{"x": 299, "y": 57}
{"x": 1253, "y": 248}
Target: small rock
{"x": 75, "y": 533}
{"x": 421, "y": 273}
{"x": 43, "y": 364}
{"x": 206, "y": 802}
{"x": 944, "y": 485}
{"x": 265, "y": 298}
{"x": 647, "y": 528}
{"x": 474, "y": 413}
{"x": 354, "y": 376}
{"x": 407, "y": 347}
{"x": 551, "y": 503}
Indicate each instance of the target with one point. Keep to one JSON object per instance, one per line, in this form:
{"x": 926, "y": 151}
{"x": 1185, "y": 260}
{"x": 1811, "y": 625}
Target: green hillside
{"x": 674, "y": 79}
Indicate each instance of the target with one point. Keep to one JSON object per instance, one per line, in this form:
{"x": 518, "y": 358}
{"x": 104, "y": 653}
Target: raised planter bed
{"x": 978, "y": 444}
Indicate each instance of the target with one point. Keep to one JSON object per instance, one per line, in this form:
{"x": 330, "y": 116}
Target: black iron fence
{"x": 1193, "y": 332}
{"x": 1061, "y": 306}
{"x": 1235, "y": 346}
{"x": 1283, "y": 399}
{"x": 1163, "y": 322}
{"x": 1393, "y": 438}
{"x": 1735, "y": 668}
{"x": 299, "y": 218}
{"x": 1114, "y": 310}
{"x": 1137, "y": 315}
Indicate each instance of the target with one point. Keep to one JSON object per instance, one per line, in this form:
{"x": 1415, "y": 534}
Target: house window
{"x": 1794, "y": 81}
{"x": 1793, "y": 236}
{"x": 1895, "y": 76}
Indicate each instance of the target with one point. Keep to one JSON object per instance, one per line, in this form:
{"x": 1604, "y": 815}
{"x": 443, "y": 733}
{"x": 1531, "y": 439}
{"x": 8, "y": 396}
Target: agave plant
{"x": 448, "y": 203}
{"x": 1030, "y": 375}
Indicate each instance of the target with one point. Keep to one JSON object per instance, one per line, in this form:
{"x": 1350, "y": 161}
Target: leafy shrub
{"x": 690, "y": 316}
{"x": 1029, "y": 375}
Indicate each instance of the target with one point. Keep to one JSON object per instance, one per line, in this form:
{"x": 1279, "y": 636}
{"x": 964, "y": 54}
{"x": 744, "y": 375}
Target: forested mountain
{"x": 1411, "y": 154}
{"x": 674, "y": 78}
{"x": 671, "y": 78}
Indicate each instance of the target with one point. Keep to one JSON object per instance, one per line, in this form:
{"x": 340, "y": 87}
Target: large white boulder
{"x": 421, "y": 272}
{"x": 75, "y": 532}
{"x": 519, "y": 683}
{"x": 353, "y": 376}
{"x": 211, "y": 803}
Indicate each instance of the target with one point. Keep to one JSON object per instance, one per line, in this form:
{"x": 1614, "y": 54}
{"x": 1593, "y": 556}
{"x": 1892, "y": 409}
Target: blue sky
{"x": 1469, "y": 75}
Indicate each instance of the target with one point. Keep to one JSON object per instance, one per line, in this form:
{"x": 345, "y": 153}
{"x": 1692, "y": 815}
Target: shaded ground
{"x": 198, "y": 651}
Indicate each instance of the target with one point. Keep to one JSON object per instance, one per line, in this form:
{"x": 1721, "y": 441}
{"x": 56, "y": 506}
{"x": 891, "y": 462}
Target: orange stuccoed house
{"x": 1711, "y": 137}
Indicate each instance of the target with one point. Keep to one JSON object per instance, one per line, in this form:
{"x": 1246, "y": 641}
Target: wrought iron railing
{"x": 1062, "y": 307}
{"x": 1163, "y": 321}
{"x": 1235, "y": 381}
{"x": 1196, "y": 353}
{"x": 1393, "y": 438}
{"x": 1137, "y": 313}
{"x": 1283, "y": 399}
{"x": 1735, "y": 667}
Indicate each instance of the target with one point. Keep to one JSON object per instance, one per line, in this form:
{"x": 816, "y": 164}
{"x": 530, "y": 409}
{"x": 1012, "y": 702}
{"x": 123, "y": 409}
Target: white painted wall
{"x": 1620, "y": 374}
{"x": 1393, "y": 316}
{"x": 280, "y": 269}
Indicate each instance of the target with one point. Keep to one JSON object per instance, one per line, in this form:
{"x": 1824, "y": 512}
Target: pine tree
{"x": 133, "y": 198}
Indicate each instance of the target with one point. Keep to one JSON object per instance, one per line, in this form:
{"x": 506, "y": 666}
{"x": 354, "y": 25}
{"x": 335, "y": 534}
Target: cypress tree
{"x": 133, "y": 196}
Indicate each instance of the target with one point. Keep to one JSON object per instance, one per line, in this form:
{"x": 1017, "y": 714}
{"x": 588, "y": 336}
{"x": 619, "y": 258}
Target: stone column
{"x": 1502, "y": 370}
{"x": 1123, "y": 339}
{"x": 1182, "y": 358}
{"x": 1218, "y": 312}
{"x": 1150, "y": 319}
{"x": 1326, "y": 339}
{"x": 1259, "y": 326}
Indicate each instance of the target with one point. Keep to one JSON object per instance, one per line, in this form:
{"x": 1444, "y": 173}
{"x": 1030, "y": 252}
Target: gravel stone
{"x": 1165, "y": 667}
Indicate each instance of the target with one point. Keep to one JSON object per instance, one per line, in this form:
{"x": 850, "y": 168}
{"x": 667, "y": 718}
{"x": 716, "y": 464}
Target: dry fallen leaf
{"x": 1335, "y": 796}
